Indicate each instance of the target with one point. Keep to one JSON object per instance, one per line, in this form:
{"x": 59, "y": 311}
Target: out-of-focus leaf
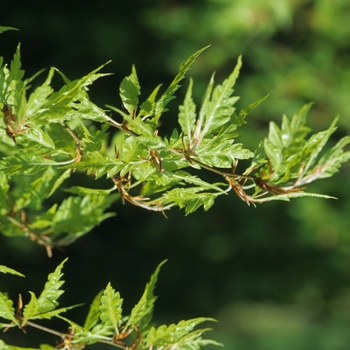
{"x": 4, "y": 29}
{"x": 5, "y": 269}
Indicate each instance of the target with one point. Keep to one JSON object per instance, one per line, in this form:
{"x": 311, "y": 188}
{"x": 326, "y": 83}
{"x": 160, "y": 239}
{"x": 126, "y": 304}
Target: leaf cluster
{"x": 47, "y": 135}
{"x": 105, "y": 322}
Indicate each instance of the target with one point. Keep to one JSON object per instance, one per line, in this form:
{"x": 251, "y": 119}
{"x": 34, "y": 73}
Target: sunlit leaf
{"x": 111, "y": 308}
{"x": 141, "y": 313}
{"x": 47, "y": 301}
{"x": 172, "y": 334}
{"x": 7, "y": 311}
{"x": 129, "y": 91}
{"x": 5, "y": 269}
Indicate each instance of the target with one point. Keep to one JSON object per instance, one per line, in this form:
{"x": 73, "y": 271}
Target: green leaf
{"x": 27, "y": 161}
{"x": 147, "y": 107}
{"x": 78, "y": 215}
{"x": 190, "y": 199}
{"x": 4, "y": 29}
{"x": 44, "y": 220}
{"x": 240, "y": 118}
{"x": 31, "y": 190}
{"x": 12, "y": 86}
{"x": 7, "y": 311}
{"x": 31, "y": 309}
{"x": 101, "y": 332}
{"x": 222, "y": 154}
{"x": 111, "y": 308}
{"x": 58, "y": 105}
{"x": 332, "y": 160}
{"x": 99, "y": 165}
{"x": 129, "y": 91}
{"x": 37, "y": 135}
{"x": 4, "y": 269}
{"x": 38, "y": 97}
{"x": 316, "y": 143}
{"x": 85, "y": 109}
{"x": 16, "y": 73}
{"x": 4, "y": 188}
{"x": 288, "y": 196}
{"x": 173, "y": 334}
{"x": 168, "y": 95}
{"x": 3, "y": 346}
{"x": 217, "y": 107}
{"x": 187, "y": 114}
{"x": 141, "y": 313}
{"x": 285, "y": 147}
{"x": 54, "y": 313}
{"x": 58, "y": 182}
{"x": 136, "y": 125}
{"x": 93, "y": 315}
{"x": 47, "y": 300}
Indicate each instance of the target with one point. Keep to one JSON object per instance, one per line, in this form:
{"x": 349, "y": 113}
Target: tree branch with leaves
{"x": 46, "y": 135}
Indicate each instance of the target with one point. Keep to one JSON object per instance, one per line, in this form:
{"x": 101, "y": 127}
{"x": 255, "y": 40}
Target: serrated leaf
{"x": 31, "y": 190}
{"x": 111, "y": 308}
{"x": 47, "y": 300}
{"x": 17, "y": 73}
{"x": 44, "y": 220}
{"x": 222, "y": 154}
{"x": 137, "y": 125}
{"x": 172, "y": 334}
{"x": 12, "y": 86}
{"x": 37, "y": 135}
{"x": 187, "y": 114}
{"x": 7, "y": 311}
{"x": 97, "y": 164}
{"x": 141, "y": 313}
{"x": 240, "y": 117}
{"x": 27, "y": 161}
{"x": 32, "y": 308}
{"x": 168, "y": 95}
{"x": 78, "y": 215}
{"x": 148, "y": 106}
{"x": 85, "y": 109}
{"x": 5, "y": 269}
{"x": 54, "y": 313}
{"x": 316, "y": 143}
{"x": 39, "y": 96}
{"x": 217, "y": 107}
{"x": 190, "y": 198}
{"x": 129, "y": 91}
{"x": 60, "y": 103}
{"x": 332, "y": 160}
{"x": 287, "y": 148}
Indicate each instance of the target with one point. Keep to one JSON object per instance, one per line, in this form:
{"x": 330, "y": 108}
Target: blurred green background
{"x": 276, "y": 276}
